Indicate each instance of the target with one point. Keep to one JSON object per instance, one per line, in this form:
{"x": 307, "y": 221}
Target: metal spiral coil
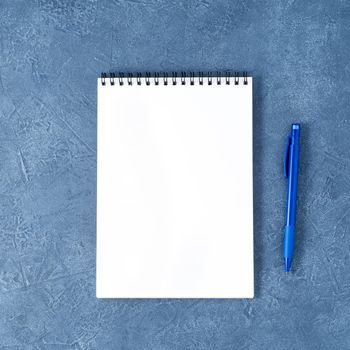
{"x": 191, "y": 78}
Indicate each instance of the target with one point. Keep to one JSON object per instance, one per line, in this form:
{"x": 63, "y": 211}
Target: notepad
{"x": 174, "y": 187}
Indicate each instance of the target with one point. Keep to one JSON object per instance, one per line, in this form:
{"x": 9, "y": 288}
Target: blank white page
{"x": 174, "y": 190}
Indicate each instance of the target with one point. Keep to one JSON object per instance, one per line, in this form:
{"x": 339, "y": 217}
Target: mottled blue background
{"x": 51, "y": 53}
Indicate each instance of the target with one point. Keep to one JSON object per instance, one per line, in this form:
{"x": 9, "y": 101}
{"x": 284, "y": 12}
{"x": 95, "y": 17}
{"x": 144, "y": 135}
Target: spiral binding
{"x": 174, "y": 78}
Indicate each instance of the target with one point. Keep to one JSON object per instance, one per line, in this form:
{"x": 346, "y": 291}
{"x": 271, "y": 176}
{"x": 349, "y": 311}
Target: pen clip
{"x": 286, "y": 157}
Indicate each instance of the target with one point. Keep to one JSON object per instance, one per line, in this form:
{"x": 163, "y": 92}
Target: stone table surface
{"x": 51, "y": 53}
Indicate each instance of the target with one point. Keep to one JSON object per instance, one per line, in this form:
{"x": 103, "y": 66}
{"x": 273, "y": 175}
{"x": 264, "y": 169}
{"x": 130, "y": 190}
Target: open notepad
{"x": 174, "y": 187}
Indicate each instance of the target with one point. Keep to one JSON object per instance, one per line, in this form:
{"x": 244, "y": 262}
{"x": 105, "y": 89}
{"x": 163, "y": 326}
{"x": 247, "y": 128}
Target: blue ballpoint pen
{"x": 291, "y": 162}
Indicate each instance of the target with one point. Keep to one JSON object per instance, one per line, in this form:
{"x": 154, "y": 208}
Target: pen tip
{"x": 287, "y": 264}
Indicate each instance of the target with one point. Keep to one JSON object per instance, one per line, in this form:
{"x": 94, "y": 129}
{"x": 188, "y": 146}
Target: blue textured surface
{"x": 50, "y": 55}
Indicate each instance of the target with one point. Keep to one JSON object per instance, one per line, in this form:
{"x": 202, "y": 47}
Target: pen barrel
{"x": 293, "y": 163}
{"x": 289, "y": 236}
{"x": 293, "y": 181}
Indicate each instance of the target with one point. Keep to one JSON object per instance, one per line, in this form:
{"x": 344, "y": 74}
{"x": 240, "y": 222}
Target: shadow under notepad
{"x": 257, "y": 182}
